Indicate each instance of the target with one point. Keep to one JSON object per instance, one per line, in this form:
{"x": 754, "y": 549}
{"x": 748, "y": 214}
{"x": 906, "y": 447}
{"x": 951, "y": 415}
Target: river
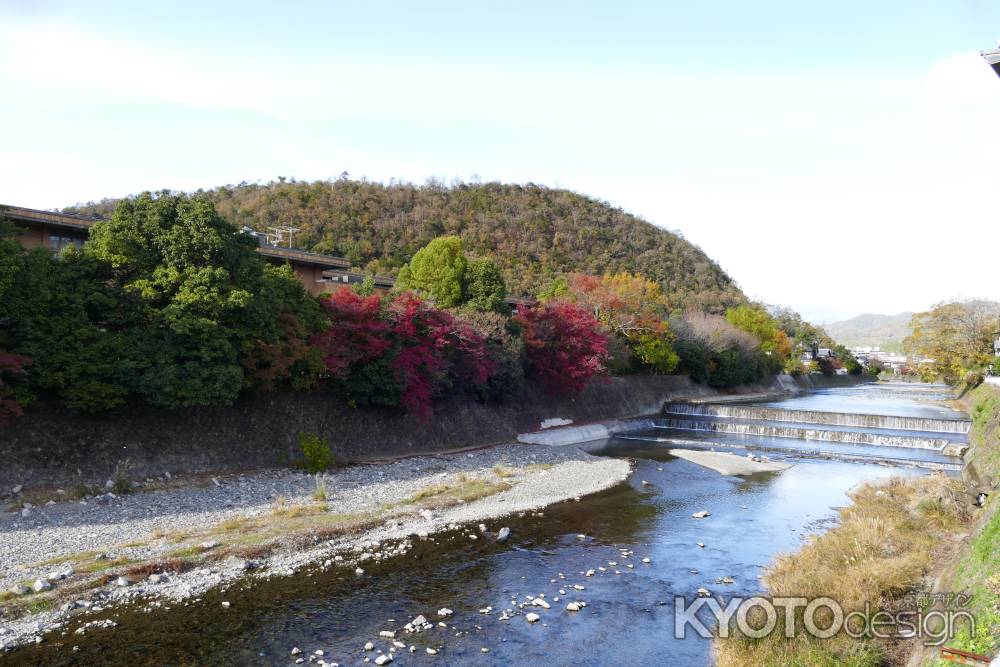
{"x": 629, "y": 612}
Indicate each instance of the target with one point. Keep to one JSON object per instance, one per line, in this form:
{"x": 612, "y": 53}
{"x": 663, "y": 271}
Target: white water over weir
{"x": 751, "y": 412}
{"x": 773, "y": 430}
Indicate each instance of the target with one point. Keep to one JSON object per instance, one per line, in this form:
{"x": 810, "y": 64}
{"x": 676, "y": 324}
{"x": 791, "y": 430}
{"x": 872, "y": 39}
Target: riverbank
{"x": 51, "y": 447}
{"x": 176, "y": 543}
{"x": 893, "y": 543}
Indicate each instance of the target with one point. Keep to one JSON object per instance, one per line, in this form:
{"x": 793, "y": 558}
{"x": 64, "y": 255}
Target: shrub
{"x": 564, "y": 344}
{"x": 316, "y": 453}
{"x": 121, "y": 483}
{"x": 715, "y": 352}
{"x": 505, "y": 348}
{"x": 403, "y": 353}
{"x": 434, "y": 350}
{"x": 11, "y": 365}
{"x": 974, "y": 378}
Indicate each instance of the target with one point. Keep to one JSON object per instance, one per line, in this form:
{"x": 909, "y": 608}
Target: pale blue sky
{"x": 772, "y": 134}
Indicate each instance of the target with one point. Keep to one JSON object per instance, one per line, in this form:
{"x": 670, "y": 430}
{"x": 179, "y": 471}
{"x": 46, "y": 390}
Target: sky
{"x": 837, "y": 158}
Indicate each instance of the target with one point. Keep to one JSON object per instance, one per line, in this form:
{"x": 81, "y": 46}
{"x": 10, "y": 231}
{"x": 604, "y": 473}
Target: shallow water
{"x": 628, "y": 618}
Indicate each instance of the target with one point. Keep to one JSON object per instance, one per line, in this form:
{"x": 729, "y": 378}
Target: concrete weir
{"x": 858, "y": 424}
{"x": 885, "y": 437}
{"x": 856, "y": 420}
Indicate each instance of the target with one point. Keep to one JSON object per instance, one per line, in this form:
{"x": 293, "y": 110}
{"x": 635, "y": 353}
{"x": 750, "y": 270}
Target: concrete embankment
{"x": 50, "y": 446}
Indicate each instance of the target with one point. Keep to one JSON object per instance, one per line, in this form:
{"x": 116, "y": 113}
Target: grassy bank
{"x": 892, "y": 542}
{"x": 885, "y": 545}
{"x": 976, "y": 570}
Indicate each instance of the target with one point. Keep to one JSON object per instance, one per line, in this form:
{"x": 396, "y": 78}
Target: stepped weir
{"x": 895, "y": 423}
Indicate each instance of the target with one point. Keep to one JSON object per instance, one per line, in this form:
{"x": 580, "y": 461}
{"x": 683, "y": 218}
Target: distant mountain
{"x": 533, "y": 232}
{"x": 885, "y": 331}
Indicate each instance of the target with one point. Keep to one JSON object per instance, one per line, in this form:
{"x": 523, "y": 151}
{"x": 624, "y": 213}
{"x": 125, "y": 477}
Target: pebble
{"x": 701, "y": 515}
{"x": 532, "y": 617}
{"x": 383, "y": 659}
{"x": 704, "y": 593}
{"x": 387, "y": 634}
{"x": 572, "y": 606}
{"x": 503, "y": 534}
{"x": 647, "y": 561}
{"x": 359, "y": 571}
{"x": 369, "y": 646}
{"x": 41, "y": 585}
{"x": 296, "y": 651}
{"x": 225, "y": 604}
{"x": 431, "y": 651}
{"x": 444, "y": 612}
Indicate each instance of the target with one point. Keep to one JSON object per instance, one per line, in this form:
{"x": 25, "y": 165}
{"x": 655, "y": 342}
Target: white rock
{"x": 701, "y": 515}
{"x": 531, "y": 617}
{"x": 703, "y": 593}
{"x": 647, "y": 560}
{"x": 225, "y": 604}
{"x": 369, "y": 646}
{"x": 539, "y": 602}
{"x": 17, "y": 489}
{"x": 296, "y": 651}
{"x": 572, "y": 606}
{"x": 121, "y": 581}
{"x": 359, "y": 571}
{"x": 503, "y": 534}
{"x": 387, "y": 634}
{"x": 431, "y": 651}
{"x": 444, "y": 611}
{"x": 41, "y": 585}
{"x": 383, "y": 659}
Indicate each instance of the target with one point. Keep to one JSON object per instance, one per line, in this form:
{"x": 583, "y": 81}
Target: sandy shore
{"x": 369, "y": 512}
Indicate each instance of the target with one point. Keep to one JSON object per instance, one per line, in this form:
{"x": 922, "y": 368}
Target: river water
{"x": 629, "y": 617}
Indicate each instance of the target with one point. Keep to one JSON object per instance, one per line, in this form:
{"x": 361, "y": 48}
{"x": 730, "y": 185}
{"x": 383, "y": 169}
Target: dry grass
{"x": 882, "y": 549}
{"x": 448, "y": 494}
{"x": 503, "y": 472}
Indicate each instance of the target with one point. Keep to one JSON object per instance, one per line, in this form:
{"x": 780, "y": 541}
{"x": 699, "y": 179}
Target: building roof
{"x": 33, "y": 216}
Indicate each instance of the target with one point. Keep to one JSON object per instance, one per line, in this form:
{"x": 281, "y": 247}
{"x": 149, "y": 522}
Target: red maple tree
{"x": 564, "y": 344}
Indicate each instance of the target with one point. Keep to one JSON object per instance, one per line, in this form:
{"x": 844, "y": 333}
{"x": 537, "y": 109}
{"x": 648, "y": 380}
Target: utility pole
{"x": 279, "y": 234}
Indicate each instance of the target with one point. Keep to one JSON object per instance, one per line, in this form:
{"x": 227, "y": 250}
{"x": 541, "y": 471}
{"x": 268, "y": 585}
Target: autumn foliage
{"x": 10, "y": 365}
{"x": 565, "y": 345}
{"x": 404, "y": 349}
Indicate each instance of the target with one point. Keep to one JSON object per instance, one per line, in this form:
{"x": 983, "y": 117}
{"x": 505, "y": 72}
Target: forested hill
{"x": 885, "y": 331}
{"x": 533, "y": 232}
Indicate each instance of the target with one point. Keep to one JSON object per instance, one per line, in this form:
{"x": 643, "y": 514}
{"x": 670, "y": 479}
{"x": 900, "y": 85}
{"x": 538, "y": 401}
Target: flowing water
{"x": 629, "y": 614}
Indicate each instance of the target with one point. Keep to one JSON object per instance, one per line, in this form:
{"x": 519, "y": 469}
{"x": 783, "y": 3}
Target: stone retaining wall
{"x": 52, "y": 446}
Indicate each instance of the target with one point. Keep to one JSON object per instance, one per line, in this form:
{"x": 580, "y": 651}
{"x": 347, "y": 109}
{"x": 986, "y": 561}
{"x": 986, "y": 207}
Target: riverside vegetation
{"x": 168, "y": 305}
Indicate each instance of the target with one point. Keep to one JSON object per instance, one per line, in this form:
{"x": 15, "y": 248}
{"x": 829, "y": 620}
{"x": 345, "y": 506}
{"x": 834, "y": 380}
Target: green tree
{"x": 201, "y": 291}
{"x": 438, "y": 271}
{"x": 485, "y": 289}
{"x": 61, "y": 313}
